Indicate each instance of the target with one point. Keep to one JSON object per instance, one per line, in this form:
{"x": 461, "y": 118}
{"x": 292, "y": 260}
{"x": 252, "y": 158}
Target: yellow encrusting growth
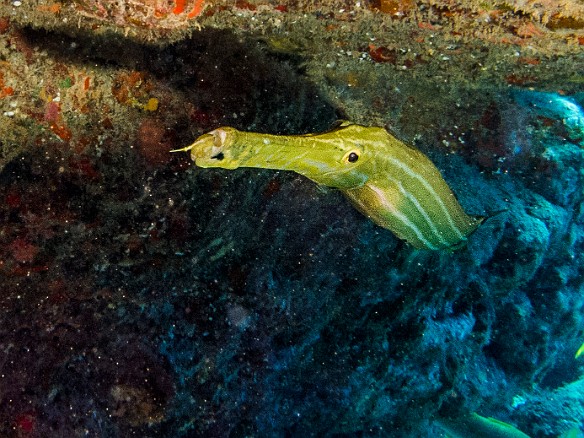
{"x": 393, "y": 184}
{"x": 151, "y": 105}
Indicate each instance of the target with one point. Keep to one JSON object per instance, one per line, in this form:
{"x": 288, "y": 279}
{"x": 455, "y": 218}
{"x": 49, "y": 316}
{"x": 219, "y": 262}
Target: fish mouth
{"x": 209, "y": 146}
{"x": 210, "y": 150}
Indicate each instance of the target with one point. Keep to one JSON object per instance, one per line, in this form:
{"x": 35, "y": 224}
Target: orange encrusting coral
{"x": 5, "y": 91}
{"x": 197, "y": 9}
{"x": 180, "y": 5}
{"x": 61, "y": 131}
{"x": 141, "y": 14}
{"x": 53, "y": 8}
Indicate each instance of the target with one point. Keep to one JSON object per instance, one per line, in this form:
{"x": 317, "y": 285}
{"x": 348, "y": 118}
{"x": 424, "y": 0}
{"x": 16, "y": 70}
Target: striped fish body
{"x": 406, "y": 194}
{"x": 396, "y": 186}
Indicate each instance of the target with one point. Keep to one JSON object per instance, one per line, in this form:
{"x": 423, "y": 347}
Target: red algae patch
{"x": 154, "y": 142}
{"x": 23, "y": 251}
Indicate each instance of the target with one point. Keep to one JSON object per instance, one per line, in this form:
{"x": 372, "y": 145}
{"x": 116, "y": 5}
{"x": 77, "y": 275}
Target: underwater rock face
{"x": 145, "y": 296}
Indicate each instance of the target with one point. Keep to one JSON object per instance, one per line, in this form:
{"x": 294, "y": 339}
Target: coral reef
{"x": 144, "y": 296}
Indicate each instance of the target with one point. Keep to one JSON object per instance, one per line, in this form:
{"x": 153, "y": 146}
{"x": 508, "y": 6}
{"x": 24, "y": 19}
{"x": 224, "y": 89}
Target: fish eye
{"x": 351, "y": 157}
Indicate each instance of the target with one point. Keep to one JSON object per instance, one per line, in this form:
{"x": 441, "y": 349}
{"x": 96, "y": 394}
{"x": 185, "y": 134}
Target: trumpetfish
{"x": 393, "y": 184}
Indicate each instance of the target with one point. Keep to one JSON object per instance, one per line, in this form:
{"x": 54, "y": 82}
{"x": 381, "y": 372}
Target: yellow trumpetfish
{"x": 393, "y": 184}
